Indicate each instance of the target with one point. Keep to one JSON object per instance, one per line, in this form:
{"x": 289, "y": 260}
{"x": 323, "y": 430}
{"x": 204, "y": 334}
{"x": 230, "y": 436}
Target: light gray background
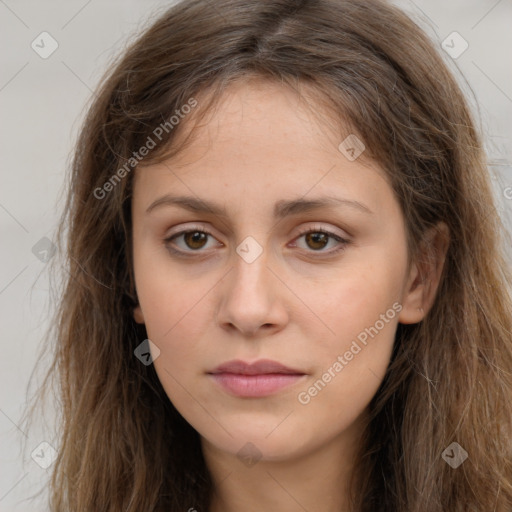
{"x": 41, "y": 104}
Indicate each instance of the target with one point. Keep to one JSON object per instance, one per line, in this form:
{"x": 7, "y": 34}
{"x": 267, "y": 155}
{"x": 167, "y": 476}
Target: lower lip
{"x": 255, "y": 385}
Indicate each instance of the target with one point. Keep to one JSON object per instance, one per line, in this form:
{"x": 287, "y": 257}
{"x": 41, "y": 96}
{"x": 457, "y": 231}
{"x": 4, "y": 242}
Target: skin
{"x": 298, "y": 303}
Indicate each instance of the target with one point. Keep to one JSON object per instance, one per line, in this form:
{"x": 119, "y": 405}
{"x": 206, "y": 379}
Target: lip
{"x": 258, "y": 379}
{"x": 260, "y": 367}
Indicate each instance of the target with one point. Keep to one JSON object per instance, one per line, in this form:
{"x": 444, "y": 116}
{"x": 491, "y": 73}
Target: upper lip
{"x": 263, "y": 366}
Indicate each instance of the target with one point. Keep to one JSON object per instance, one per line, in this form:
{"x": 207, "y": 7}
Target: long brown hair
{"x": 122, "y": 445}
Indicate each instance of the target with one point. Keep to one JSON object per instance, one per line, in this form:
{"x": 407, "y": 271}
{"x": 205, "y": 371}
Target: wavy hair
{"x": 123, "y": 447}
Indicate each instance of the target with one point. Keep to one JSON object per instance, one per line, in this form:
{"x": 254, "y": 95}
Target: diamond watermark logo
{"x": 454, "y": 455}
{"x": 44, "y": 249}
{"x": 454, "y": 45}
{"x": 249, "y": 454}
{"x": 44, "y": 455}
{"x": 147, "y": 352}
{"x": 352, "y": 147}
{"x": 249, "y": 250}
{"x": 44, "y": 45}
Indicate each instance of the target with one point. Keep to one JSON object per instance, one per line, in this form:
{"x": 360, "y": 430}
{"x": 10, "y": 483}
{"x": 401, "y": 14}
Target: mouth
{"x": 259, "y": 379}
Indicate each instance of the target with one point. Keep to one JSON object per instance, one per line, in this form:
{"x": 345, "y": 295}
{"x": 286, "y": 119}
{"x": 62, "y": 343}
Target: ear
{"x": 138, "y": 315}
{"x": 423, "y": 280}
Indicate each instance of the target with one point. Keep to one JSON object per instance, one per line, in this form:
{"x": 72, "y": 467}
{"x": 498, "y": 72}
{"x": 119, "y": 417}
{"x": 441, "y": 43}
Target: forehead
{"x": 262, "y": 142}
{"x": 255, "y": 113}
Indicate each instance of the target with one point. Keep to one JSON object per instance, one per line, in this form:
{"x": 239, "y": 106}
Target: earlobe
{"x": 425, "y": 275}
{"x": 138, "y": 315}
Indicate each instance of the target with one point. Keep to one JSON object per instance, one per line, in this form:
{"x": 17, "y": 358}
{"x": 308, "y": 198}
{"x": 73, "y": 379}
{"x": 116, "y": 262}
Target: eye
{"x": 194, "y": 240}
{"x": 317, "y": 238}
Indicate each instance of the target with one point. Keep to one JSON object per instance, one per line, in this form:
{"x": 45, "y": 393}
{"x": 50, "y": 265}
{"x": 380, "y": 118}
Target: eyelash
{"x": 343, "y": 242}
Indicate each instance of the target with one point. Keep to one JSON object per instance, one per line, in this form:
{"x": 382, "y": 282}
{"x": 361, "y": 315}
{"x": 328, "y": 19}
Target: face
{"x": 262, "y": 274}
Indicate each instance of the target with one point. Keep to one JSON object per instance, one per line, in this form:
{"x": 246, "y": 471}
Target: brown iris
{"x": 317, "y": 237}
{"x": 195, "y": 237}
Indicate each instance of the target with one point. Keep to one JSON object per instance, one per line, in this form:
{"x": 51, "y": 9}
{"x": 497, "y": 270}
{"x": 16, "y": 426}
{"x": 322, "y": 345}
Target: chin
{"x": 256, "y": 444}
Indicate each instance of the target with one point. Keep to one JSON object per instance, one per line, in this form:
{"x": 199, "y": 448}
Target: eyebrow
{"x": 282, "y": 208}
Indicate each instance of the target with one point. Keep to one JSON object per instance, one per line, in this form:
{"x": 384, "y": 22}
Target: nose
{"x": 252, "y": 297}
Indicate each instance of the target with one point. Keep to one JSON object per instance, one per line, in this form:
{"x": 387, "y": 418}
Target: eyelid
{"x": 322, "y": 229}
{"x": 193, "y": 227}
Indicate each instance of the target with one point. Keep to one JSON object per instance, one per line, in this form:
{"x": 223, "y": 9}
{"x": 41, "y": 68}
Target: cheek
{"x": 355, "y": 301}
{"x": 353, "y": 360}
{"x": 174, "y": 304}
{"x": 173, "y": 316}
{"x": 177, "y": 322}
{"x": 360, "y": 309}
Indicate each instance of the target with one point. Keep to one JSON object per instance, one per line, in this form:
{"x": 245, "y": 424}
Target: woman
{"x": 214, "y": 352}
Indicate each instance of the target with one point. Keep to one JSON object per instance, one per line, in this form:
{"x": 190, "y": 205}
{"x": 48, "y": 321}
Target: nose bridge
{"x": 248, "y": 297}
{"x": 250, "y": 267}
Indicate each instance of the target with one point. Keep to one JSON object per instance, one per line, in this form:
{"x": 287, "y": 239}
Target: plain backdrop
{"x": 41, "y": 105}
